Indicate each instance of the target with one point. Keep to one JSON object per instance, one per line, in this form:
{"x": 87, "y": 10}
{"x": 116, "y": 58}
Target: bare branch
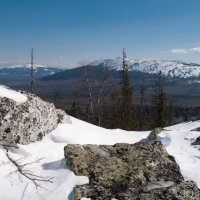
{"x": 35, "y": 179}
{"x": 24, "y": 191}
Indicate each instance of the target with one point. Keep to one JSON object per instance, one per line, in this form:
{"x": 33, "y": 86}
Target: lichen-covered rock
{"x": 126, "y": 171}
{"x": 197, "y": 141}
{"x": 29, "y": 121}
{"x": 186, "y": 190}
{"x": 153, "y": 134}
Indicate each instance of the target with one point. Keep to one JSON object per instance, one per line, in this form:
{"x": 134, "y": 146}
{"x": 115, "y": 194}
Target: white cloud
{"x": 179, "y": 51}
{"x": 195, "y": 50}
{"x": 182, "y": 51}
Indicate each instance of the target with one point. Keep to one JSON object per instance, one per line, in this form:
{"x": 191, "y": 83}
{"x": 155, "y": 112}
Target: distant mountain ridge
{"x": 181, "y": 82}
{"x": 174, "y": 69}
{"x": 28, "y": 65}
{"x": 22, "y": 72}
{"x": 171, "y": 69}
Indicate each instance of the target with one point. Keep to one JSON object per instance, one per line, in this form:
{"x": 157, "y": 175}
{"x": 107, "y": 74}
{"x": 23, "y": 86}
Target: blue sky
{"x": 70, "y": 32}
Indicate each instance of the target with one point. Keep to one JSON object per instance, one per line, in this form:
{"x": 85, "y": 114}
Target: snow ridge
{"x": 174, "y": 69}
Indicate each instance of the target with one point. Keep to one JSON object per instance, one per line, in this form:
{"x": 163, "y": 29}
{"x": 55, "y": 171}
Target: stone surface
{"x": 196, "y": 129}
{"x": 127, "y": 171}
{"x": 197, "y": 141}
{"x": 185, "y": 190}
{"x": 154, "y": 133}
{"x": 28, "y": 122}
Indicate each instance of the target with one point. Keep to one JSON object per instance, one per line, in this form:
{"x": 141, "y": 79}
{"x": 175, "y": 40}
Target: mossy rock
{"x": 122, "y": 171}
{"x": 154, "y": 133}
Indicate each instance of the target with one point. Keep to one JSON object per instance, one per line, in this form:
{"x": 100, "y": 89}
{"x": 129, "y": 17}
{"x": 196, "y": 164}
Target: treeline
{"x": 176, "y": 115}
{"x": 112, "y": 108}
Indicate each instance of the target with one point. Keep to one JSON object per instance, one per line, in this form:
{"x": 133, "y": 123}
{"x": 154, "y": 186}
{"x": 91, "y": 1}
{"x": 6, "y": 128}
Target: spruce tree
{"x": 114, "y": 110}
{"x": 159, "y": 101}
{"x": 141, "y": 112}
{"x": 127, "y": 113}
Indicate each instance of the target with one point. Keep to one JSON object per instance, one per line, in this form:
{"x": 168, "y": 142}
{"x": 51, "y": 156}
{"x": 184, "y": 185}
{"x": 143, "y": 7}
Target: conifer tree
{"x": 127, "y": 113}
{"x": 159, "y": 101}
{"x": 141, "y": 112}
{"x": 114, "y": 111}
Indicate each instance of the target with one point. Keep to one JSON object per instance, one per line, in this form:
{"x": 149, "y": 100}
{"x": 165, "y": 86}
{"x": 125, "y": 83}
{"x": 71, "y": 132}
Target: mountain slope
{"x": 74, "y": 73}
{"x": 22, "y": 72}
{"x": 171, "y": 69}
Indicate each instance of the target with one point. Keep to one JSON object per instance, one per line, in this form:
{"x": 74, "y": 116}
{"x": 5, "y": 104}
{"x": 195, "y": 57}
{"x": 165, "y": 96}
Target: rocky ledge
{"x": 142, "y": 171}
{"x": 29, "y": 121}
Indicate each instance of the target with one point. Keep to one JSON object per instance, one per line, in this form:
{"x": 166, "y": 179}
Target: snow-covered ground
{"x": 177, "y": 140}
{"x": 11, "y": 94}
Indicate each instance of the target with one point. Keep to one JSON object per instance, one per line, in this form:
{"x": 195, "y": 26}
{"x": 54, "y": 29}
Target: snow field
{"x": 50, "y": 152}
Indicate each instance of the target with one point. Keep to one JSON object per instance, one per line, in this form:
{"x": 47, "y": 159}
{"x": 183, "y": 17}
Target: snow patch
{"x": 11, "y": 94}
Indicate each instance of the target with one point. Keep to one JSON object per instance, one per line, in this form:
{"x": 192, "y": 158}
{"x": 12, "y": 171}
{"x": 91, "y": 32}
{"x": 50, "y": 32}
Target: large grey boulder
{"x": 142, "y": 171}
{"x": 28, "y": 122}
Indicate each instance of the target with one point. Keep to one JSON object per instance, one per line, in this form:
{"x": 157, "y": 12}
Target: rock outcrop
{"x": 197, "y": 141}
{"x": 29, "y": 121}
{"x": 142, "y": 171}
{"x": 196, "y": 129}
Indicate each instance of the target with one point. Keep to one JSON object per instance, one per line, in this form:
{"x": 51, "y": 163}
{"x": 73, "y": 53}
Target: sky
{"x": 70, "y": 33}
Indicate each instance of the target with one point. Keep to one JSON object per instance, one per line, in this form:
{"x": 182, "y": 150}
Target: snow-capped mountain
{"x": 178, "y": 69}
{"x": 22, "y": 72}
{"x": 28, "y": 65}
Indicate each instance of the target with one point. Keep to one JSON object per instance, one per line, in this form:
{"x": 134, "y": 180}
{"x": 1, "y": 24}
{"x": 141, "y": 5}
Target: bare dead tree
{"x": 32, "y": 73}
{"x": 94, "y": 88}
{"x": 89, "y": 89}
{"x": 100, "y": 96}
{"x": 22, "y": 169}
